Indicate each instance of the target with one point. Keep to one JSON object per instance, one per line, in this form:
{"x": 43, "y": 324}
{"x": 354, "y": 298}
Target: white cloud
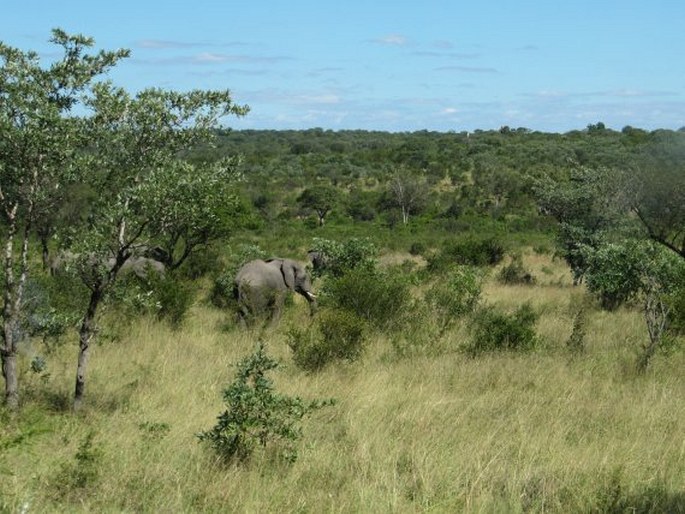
{"x": 393, "y": 40}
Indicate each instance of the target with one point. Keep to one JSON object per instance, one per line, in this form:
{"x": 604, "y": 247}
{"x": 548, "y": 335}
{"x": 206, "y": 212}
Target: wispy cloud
{"x": 212, "y": 58}
{"x": 466, "y": 69}
{"x": 166, "y": 44}
{"x": 392, "y": 40}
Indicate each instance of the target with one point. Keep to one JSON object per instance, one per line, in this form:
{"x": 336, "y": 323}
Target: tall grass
{"x": 541, "y": 431}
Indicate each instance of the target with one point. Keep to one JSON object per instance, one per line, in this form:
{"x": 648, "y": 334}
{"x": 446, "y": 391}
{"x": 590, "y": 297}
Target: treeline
{"x": 483, "y": 174}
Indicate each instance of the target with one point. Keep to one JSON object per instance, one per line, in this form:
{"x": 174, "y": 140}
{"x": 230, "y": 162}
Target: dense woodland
{"x": 479, "y": 290}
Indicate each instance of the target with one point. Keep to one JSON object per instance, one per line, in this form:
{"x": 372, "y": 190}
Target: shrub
{"x": 77, "y": 476}
{"x": 614, "y": 273}
{"x": 515, "y": 273}
{"x": 417, "y": 248}
{"x": 336, "y": 335}
{"x": 174, "y": 298}
{"x": 455, "y": 295}
{"x": 256, "y": 414}
{"x": 494, "y": 330}
{"x": 472, "y": 251}
{"x": 379, "y": 297}
{"x": 339, "y": 258}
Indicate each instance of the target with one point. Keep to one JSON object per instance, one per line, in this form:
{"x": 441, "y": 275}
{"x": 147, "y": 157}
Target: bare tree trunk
{"x": 86, "y": 333}
{"x": 8, "y": 351}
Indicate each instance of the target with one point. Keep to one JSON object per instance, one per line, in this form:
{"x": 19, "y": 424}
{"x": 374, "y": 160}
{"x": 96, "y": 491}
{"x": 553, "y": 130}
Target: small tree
{"x": 144, "y": 192}
{"x": 646, "y": 272}
{"x": 256, "y": 414}
{"x": 407, "y": 192}
{"x": 39, "y": 135}
{"x": 320, "y": 198}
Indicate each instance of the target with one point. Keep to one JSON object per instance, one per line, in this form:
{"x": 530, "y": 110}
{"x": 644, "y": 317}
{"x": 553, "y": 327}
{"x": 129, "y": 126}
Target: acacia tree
{"x": 320, "y": 198}
{"x": 38, "y": 134}
{"x": 142, "y": 190}
{"x": 586, "y": 205}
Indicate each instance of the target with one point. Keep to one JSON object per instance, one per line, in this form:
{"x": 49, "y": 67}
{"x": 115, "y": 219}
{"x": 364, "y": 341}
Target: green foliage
{"x": 174, "y": 297}
{"x": 454, "y": 295}
{"x": 336, "y": 335}
{"x": 471, "y": 251}
{"x": 619, "y": 272}
{"x": 576, "y": 341}
{"x": 494, "y": 330}
{"x": 382, "y": 298}
{"x": 341, "y": 258}
{"x": 614, "y": 272}
{"x": 320, "y": 198}
{"x": 515, "y": 273}
{"x": 256, "y": 414}
{"x": 76, "y": 477}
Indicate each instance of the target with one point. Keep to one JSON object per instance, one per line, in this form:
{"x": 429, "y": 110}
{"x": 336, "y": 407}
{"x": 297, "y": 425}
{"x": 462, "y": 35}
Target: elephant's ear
{"x": 287, "y": 269}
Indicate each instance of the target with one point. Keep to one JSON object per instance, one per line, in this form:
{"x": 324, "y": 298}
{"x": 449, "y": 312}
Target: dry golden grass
{"x": 540, "y": 432}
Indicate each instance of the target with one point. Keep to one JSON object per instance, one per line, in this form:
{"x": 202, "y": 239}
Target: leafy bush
{"x": 455, "y": 295}
{"x": 75, "y": 477}
{"x": 515, "y": 273}
{"x": 472, "y": 251}
{"x": 379, "y": 297}
{"x": 614, "y": 273}
{"x": 339, "y": 258}
{"x": 336, "y": 335}
{"x": 256, "y": 414}
{"x": 494, "y": 330}
{"x": 174, "y": 298}
{"x": 417, "y": 248}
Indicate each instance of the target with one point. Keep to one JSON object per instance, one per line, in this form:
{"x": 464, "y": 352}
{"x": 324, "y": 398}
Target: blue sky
{"x": 393, "y": 65}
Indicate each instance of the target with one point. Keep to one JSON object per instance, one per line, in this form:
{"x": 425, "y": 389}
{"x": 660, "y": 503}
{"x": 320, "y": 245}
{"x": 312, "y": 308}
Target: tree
{"x": 39, "y": 135}
{"x": 586, "y": 206}
{"x": 320, "y": 198}
{"x": 144, "y": 192}
{"x": 407, "y": 192}
{"x": 658, "y": 190}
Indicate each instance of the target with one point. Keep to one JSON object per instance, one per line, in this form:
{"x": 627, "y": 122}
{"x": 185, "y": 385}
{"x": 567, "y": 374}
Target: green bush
{"x": 454, "y": 295}
{"x": 471, "y": 251}
{"x": 380, "y": 297}
{"x": 336, "y": 335}
{"x": 174, "y": 298}
{"x": 515, "y": 273}
{"x": 256, "y": 414}
{"x": 339, "y": 258}
{"x": 494, "y": 330}
{"x": 614, "y": 273}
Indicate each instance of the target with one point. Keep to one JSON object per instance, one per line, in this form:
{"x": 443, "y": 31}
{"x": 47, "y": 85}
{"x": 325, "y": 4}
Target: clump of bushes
{"x": 257, "y": 416}
{"x": 380, "y": 297}
{"x": 455, "y": 295}
{"x": 493, "y": 330}
{"x": 336, "y": 335}
{"x": 336, "y": 259}
{"x": 471, "y": 252}
{"x": 515, "y": 273}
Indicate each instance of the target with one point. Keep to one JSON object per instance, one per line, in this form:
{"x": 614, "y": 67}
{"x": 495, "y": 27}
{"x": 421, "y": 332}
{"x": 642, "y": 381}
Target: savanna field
{"x": 499, "y": 326}
{"x": 436, "y": 430}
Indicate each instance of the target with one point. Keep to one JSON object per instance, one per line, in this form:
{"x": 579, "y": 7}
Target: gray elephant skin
{"x": 260, "y": 287}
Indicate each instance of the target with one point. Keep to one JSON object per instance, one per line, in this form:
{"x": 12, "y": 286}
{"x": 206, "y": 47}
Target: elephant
{"x": 138, "y": 265}
{"x": 260, "y": 287}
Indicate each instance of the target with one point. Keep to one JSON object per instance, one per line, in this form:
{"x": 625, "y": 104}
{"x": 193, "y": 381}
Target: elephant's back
{"x": 251, "y": 272}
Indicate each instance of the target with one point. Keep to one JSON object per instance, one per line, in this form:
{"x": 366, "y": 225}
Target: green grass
{"x": 437, "y": 431}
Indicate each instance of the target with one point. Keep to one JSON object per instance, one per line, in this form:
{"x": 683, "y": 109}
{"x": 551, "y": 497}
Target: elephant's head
{"x": 297, "y": 279}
